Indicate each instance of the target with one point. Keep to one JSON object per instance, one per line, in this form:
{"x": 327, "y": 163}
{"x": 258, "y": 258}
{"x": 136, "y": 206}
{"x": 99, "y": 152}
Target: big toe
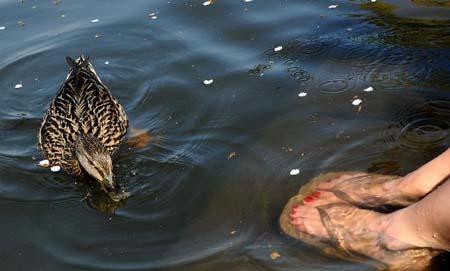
{"x": 319, "y": 198}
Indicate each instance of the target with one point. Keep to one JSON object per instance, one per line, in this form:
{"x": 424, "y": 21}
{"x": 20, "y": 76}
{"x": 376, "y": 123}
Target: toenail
{"x": 316, "y": 194}
{"x": 308, "y": 199}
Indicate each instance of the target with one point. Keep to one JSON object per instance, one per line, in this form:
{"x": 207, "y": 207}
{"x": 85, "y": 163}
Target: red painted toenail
{"x": 309, "y": 199}
{"x": 316, "y": 194}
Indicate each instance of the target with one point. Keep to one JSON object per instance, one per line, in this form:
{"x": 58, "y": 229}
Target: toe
{"x": 296, "y": 221}
{"x": 319, "y": 198}
{"x": 294, "y": 213}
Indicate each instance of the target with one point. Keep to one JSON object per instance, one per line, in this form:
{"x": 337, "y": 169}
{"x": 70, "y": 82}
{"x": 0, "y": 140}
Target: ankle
{"x": 413, "y": 186}
{"x": 400, "y": 232}
{"x": 390, "y": 234}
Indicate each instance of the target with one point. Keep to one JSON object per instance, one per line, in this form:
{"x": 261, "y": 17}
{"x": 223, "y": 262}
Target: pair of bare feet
{"x": 345, "y": 208}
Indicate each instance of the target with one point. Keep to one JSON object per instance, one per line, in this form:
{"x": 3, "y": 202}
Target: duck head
{"x": 96, "y": 160}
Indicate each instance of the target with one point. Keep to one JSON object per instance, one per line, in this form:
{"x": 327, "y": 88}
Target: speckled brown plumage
{"x": 83, "y": 105}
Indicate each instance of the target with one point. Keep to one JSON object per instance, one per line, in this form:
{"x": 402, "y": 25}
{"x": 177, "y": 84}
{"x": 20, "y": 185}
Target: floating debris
{"x": 369, "y": 89}
{"x": 231, "y": 155}
{"x": 207, "y": 3}
{"x": 98, "y": 35}
{"x": 294, "y": 171}
{"x": 278, "y": 48}
{"x": 56, "y": 2}
{"x": 259, "y": 70}
{"x": 275, "y": 255}
{"x": 373, "y": 1}
{"x": 95, "y": 20}
{"x": 106, "y": 62}
{"x": 2, "y": 27}
{"x": 153, "y": 15}
{"x": 233, "y": 232}
{"x": 19, "y": 85}
{"x": 356, "y": 102}
{"x": 55, "y": 168}
{"x": 248, "y": 1}
{"x": 333, "y": 6}
{"x": 63, "y": 15}
{"x": 21, "y": 23}
{"x": 44, "y": 163}
{"x": 349, "y": 29}
{"x": 302, "y": 94}
{"x": 208, "y": 81}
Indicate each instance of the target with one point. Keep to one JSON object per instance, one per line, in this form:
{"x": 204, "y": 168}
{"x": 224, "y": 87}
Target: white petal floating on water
{"x": 44, "y": 163}
{"x": 207, "y": 3}
{"x": 2, "y": 27}
{"x": 356, "y": 101}
{"x": 208, "y": 81}
{"x": 17, "y": 86}
{"x": 55, "y": 168}
{"x": 302, "y": 94}
{"x": 369, "y": 89}
{"x": 294, "y": 171}
{"x": 278, "y": 48}
{"x": 333, "y": 6}
{"x": 95, "y": 20}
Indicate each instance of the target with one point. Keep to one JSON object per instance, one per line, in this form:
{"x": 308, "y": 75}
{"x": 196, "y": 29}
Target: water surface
{"x": 208, "y": 188}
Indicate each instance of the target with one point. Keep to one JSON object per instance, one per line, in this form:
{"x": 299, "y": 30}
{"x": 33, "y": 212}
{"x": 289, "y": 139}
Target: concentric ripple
{"x": 426, "y": 126}
{"x": 335, "y": 86}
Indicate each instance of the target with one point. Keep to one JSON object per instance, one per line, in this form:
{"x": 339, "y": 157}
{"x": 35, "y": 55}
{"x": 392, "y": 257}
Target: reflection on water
{"x": 208, "y": 165}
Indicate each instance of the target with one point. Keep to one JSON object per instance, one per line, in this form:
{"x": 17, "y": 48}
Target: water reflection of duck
{"x": 84, "y": 126}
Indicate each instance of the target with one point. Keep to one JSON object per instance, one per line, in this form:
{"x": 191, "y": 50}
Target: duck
{"x": 84, "y": 126}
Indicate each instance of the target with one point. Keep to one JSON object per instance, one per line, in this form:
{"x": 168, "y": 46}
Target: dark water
{"x": 208, "y": 189}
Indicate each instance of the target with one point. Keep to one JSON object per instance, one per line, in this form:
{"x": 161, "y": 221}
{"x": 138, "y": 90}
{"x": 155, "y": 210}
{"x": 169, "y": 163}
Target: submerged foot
{"x": 139, "y": 138}
{"x": 365, "y": 190}
{"x": 361, "y": 234}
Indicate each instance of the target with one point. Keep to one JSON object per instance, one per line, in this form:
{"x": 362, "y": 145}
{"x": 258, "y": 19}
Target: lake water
{"x": 208, "y": 188}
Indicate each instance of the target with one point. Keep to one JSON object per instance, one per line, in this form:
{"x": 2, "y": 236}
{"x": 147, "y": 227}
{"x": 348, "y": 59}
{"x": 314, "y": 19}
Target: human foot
{"x": 365, "y": 190}
{"x": 352, "y": 233}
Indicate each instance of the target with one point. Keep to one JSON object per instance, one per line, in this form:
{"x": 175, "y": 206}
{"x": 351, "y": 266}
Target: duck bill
{"x": 113, "y": 189}
{"x": 108, "y": 185}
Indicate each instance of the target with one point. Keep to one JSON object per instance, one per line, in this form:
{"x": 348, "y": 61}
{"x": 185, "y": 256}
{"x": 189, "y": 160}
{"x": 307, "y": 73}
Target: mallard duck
{"x": 84, "y": 126}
